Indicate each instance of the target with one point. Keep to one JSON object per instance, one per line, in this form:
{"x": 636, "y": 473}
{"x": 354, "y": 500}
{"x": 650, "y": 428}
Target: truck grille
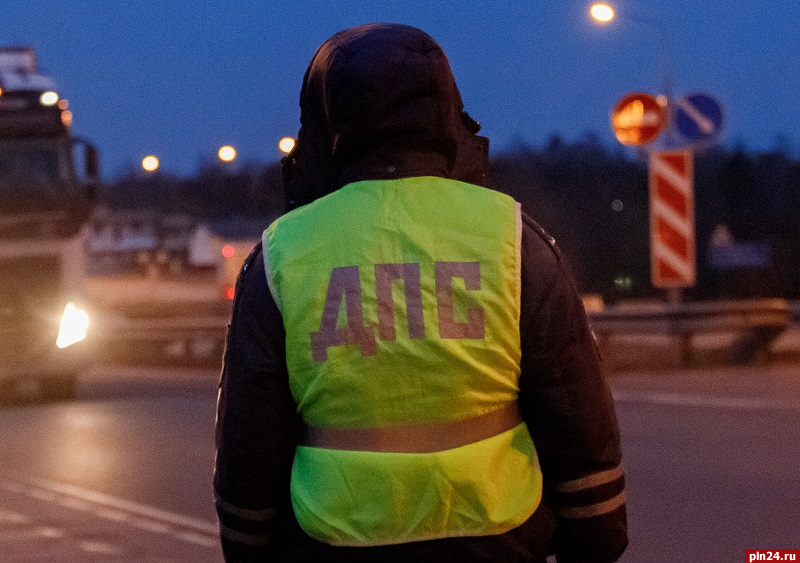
{"x": 30, "y": 301}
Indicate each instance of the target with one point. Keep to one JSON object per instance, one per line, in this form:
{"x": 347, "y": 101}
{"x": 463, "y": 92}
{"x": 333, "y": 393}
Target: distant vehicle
{"x": 233, "y": 255}
{"x": 44, "y": 204}
{"x": 224, "y": 244}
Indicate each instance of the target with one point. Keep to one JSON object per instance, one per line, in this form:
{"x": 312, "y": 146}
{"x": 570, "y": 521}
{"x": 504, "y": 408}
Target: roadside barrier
{"x": 757, "y": 323}
{"x": 174, "y": 333}
{"x": 193, "y": 333}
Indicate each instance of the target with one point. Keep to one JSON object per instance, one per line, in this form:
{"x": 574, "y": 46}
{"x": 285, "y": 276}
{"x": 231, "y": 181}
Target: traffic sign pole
{"x": 638, "y": 119}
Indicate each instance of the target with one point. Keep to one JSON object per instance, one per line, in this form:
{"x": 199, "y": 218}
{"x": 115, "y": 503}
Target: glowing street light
{"x": 227, "y": 153}
{"x": 48, "y": 98}
{"x": 286, "y": 144}
{"x": 602, "y": 12}
{"x": 150, "y": 163}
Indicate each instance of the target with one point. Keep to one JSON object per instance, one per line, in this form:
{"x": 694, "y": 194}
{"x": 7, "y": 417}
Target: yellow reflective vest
{"x": 401, "y": 303}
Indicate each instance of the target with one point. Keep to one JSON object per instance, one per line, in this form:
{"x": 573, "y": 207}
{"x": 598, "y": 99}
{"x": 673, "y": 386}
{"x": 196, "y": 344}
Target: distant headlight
{"x": 49, "y": 98}
{"x": 74, "y": 323}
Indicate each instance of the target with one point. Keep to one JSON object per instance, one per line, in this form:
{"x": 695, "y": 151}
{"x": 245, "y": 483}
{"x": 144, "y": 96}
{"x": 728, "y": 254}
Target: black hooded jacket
{"x": 379, "y": 102}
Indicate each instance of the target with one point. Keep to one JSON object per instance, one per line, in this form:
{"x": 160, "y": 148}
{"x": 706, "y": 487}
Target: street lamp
{"x": 150, "y": 163}
{"x": 670, "y": 270}
{"x": 227, "y": 153}
{"x": 605, "y": 13}
{"x": 602, "y": 12}
{"x": 286, "y": 144}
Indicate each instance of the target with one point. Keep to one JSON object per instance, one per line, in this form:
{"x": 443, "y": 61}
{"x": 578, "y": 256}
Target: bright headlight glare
{"x": 49, "y": 98}
{"x": 74, "y": 324}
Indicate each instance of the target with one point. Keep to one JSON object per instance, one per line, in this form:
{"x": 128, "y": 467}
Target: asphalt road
{"x": 712, "y": 460}
{"x": 123, "y": 473}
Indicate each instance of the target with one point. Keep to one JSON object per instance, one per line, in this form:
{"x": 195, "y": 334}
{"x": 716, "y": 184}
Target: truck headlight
{"x": 74, "y": 323}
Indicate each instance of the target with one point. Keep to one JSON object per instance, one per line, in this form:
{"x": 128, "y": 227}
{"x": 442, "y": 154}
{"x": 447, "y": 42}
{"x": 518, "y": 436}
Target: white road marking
{"x": 52, "y": 533}
{"x": 109, "y": 513}
{"x": 100, "y": 548}
{"x": 197, "y": 539}
{"x": 74, "y": 504}
{"x": 13, "y": 518}
{"x": 131, "y": 507}
{"x": 46, "y": 496}
{"x": 13, "y": 487}
{"x": 30, "y": 533}
{"x": 149, "y": 518}
{"x": 151, "y": 525}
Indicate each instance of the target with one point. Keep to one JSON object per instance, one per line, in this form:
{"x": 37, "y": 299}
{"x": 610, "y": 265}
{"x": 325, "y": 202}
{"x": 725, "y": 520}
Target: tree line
{"x": 591, "y": 198}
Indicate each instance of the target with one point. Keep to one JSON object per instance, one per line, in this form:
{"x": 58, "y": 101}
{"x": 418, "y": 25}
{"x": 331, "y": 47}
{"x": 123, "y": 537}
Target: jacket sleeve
{"x": 567, "y": 405}
{"x": 256, "y": 424}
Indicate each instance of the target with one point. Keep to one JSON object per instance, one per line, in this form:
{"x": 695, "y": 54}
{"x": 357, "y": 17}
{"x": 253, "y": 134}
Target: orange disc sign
{"x": 638, "y": 119}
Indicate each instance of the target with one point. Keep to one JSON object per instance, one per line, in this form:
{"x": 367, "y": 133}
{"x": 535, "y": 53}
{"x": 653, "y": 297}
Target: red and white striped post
{"x": 672, "y": 238}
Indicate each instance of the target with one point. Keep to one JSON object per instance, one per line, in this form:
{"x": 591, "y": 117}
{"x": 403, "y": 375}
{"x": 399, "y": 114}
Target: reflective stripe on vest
{"x": 401, "y": 304}
{"x": 416, "y": 438}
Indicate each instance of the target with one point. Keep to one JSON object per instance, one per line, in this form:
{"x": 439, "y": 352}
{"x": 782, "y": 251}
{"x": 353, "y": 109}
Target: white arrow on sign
{"x": 705, "y": 124}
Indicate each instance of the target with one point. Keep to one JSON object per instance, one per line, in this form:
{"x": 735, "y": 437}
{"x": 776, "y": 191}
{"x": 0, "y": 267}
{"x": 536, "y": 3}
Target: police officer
{"x": 408, "y": 372}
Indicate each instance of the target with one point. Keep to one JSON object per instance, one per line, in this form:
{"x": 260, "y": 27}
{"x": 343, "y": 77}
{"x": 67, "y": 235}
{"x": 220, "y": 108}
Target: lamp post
{"x": 605, "y": 13}
{"x": 671, "y": 228}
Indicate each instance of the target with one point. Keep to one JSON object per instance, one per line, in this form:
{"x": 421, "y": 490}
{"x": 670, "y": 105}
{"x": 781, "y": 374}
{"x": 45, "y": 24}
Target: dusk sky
{"x": 179, "y": 78}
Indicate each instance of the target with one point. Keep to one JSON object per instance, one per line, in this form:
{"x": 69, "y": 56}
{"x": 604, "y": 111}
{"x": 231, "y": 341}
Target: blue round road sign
{"x": 698, "y": 118}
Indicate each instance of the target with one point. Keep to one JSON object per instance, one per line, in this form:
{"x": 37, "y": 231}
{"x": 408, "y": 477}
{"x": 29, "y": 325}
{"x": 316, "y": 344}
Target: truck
{"x": 46, "y": 202}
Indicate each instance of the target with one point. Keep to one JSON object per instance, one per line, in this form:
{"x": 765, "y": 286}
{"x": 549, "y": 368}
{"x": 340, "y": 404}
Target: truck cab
{"x": 45, "y": 203}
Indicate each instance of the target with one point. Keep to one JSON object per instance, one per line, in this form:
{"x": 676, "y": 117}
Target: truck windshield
{"x": 32, "y": 167}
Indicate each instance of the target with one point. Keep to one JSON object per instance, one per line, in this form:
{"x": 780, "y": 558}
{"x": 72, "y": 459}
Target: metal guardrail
{"x": 194, "y": 332}
{"x": 758, "y": 323}
{"x": 174, "y": 333}
{"x": 701, "y": 316}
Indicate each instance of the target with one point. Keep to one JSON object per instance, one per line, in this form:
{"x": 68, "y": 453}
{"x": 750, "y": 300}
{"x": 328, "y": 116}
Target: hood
{"x": 379, "y": 101}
